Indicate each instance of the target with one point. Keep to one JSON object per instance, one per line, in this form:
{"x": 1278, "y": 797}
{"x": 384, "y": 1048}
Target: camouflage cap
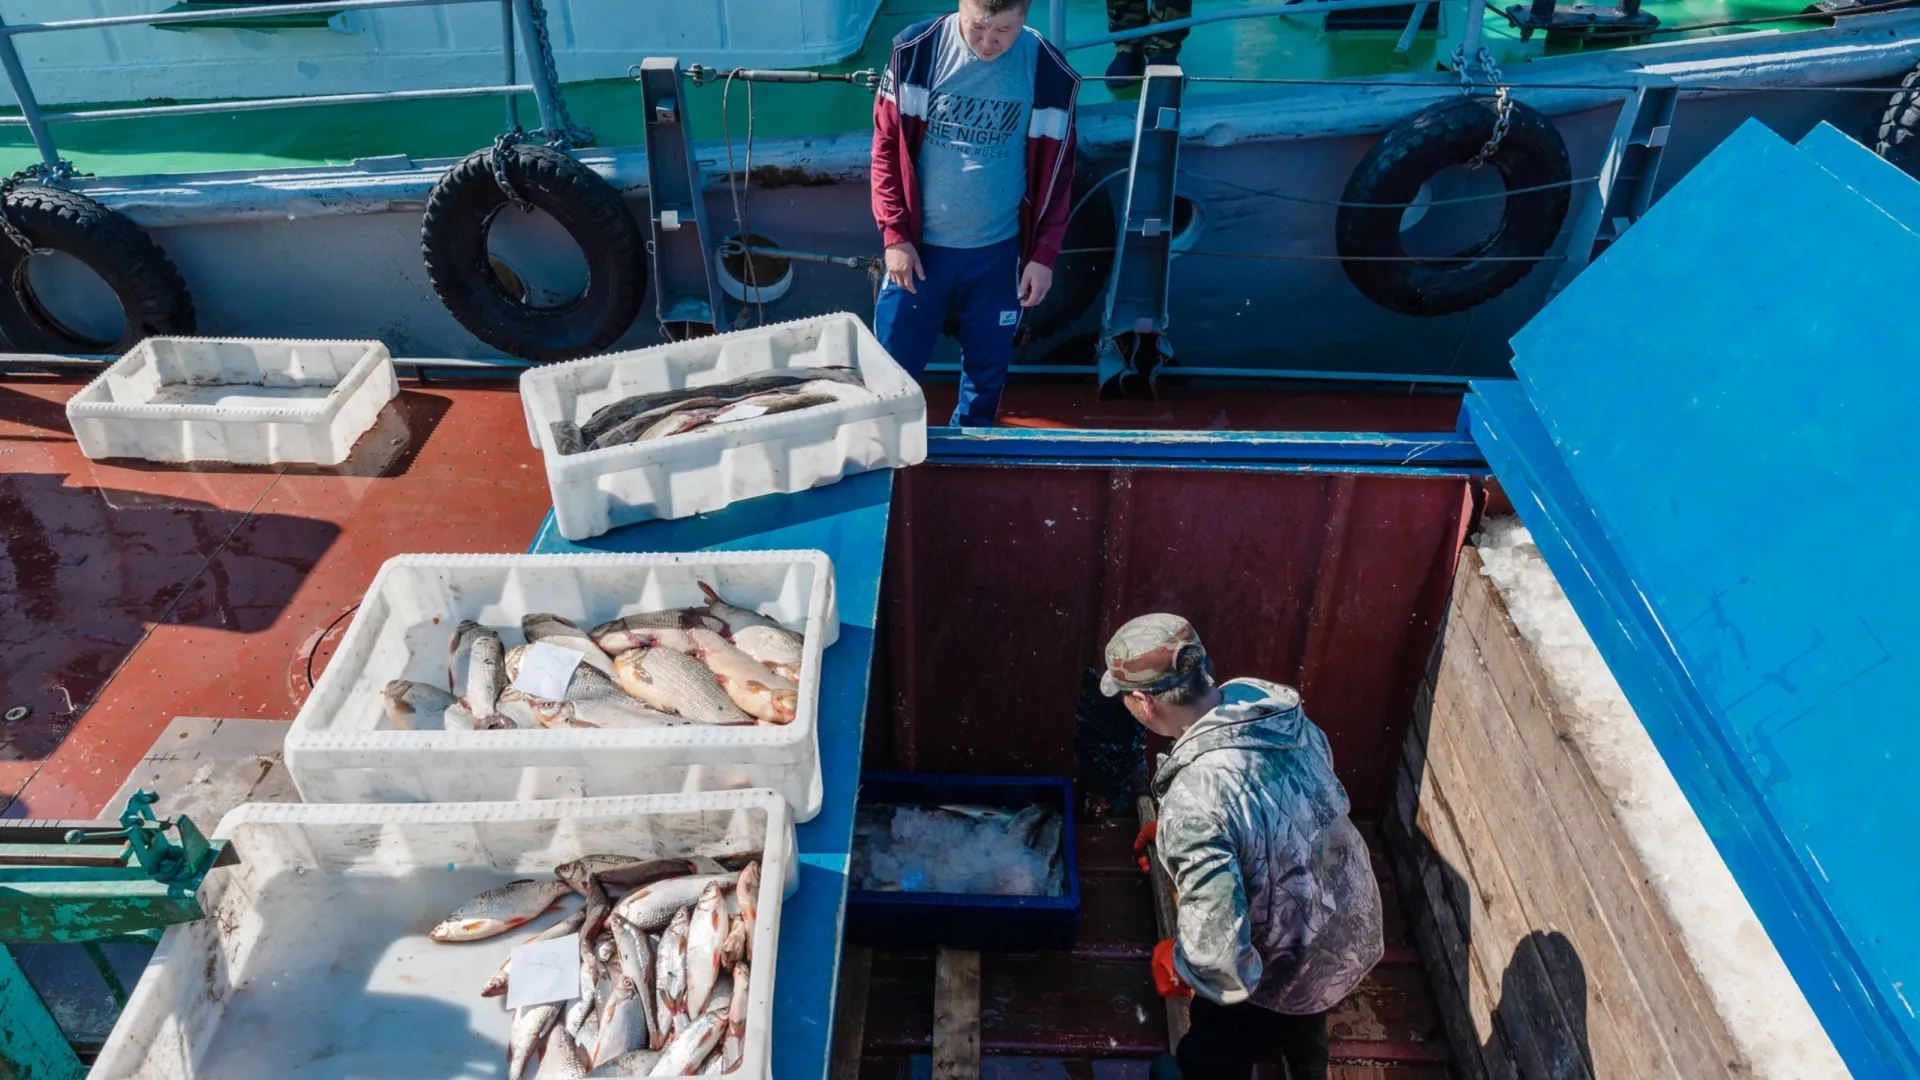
{"x": 1154, "y": 654}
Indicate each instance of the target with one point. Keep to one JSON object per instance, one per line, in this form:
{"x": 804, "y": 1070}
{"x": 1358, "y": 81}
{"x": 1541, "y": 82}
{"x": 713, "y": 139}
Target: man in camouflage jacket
{"x": 1278, "y": 912}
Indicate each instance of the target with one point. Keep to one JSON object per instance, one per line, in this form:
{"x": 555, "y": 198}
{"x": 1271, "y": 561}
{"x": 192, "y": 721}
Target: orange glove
{"x": 1149, "y": 833}
{"x": 1165, "y": 978}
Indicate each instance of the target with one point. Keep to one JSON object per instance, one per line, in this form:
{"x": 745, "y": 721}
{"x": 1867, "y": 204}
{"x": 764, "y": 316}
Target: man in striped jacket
{"x": 973, "y": 143}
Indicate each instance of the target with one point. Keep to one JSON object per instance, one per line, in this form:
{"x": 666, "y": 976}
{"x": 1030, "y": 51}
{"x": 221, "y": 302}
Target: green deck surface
{"x": 1290, "y": 48}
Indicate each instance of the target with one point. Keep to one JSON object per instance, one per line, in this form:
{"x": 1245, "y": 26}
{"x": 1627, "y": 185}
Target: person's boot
{"x": 1126, "y": 69}
{"x": 1164, "y": 1067}
{"x": 1171, "y": 56}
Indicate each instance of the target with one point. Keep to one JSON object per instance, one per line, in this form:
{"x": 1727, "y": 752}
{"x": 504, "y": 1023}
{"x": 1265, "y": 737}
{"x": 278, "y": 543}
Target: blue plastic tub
{"x": 894, "y": 920}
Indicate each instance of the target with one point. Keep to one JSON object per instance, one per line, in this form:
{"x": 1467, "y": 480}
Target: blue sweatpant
{"x": 980, "y": 289}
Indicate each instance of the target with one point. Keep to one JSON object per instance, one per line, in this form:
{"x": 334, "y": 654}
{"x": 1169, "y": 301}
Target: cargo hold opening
{"x": 1520, "y": 930}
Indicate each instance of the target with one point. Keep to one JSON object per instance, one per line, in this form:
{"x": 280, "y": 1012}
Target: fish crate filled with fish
{"x": 244, "y": 401}
{"x": 374, "y": 941}
{"x": 694, "y": 426}
{"x": 468, "y": 678}
{"x": 969, "y": 862}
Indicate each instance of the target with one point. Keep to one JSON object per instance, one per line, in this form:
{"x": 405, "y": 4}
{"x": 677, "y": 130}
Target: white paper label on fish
{"x": 545, "y": 971}
{"x": 742, "y": 411}
{"x": 546, "y": 671}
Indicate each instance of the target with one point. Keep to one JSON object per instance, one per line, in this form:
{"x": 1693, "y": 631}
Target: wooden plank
{"x": 1166, "y": 919}
{"x": 850, "y": 1013}
{"x": 1645, "y": 935}
{"x": 1461, "y": 916}
{"x": 956, "y": 1015}
{"x": 1529, "y": 1008}
{"x": 1601, "y": 1014}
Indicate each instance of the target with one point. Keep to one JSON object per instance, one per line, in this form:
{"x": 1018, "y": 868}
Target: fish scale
{"x": 678, "y": 683}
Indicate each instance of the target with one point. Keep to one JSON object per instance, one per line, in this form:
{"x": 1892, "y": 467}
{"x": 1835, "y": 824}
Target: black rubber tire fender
{"x": 153, "y": 298}
{"x": 453, "y": 241}
{"x": 1442, "y": 135}
{"x": 1898, "y": 137}
{"x": 1078, "y": 279}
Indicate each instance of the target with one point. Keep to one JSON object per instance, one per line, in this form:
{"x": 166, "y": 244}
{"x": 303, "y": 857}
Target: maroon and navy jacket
{"x": 900, "y": 122}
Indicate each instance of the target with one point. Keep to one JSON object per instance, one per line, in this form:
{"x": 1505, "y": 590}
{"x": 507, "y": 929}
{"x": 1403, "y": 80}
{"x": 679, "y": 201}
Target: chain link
{"x": 1502, "y": 99}
{"x": 497, "y": 161}
{"x": 569, "y": 135}
{"x": 38, "y": 173}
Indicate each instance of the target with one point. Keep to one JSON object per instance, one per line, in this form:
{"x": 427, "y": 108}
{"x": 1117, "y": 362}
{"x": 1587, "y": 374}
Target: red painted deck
{"x": 138, "y": 593}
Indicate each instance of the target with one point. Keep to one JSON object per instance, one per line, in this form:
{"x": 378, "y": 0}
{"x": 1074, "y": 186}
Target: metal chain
{"x": 497, "y": 161}
{"x": 38, "y": 173}
{"x": 1502, "y": 101}
{"x": 570, "y": 134}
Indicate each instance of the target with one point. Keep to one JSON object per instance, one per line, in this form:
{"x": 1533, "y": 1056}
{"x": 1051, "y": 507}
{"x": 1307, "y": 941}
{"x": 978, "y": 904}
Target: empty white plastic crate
{"x": 248, "y": 401}
{"x": 314, "y": 960}
{"x": 341, "y": 748}
{"x": 709, "y": 468}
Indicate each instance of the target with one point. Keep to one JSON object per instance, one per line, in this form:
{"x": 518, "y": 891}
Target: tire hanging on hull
{"x": 1080, "y": 276}
{"x": 1897, "y": 139}
{"x": 1531, "y": 155}
{"x": 152, "y": 296}
{"x": 453, "y": 242}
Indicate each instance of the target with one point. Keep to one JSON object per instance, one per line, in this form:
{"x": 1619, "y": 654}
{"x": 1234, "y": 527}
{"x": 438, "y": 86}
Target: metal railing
{"x": 1057, "y": 20}
{"x": 527, "y": 15}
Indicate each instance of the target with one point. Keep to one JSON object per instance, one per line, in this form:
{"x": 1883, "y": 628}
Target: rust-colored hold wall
{"x": 1003, "y": 583}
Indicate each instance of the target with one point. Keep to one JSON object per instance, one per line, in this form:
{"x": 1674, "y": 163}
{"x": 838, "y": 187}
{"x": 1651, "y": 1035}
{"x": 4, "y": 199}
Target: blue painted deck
{"x": 848, "y": 521}
{"x": 1724, "y": 489}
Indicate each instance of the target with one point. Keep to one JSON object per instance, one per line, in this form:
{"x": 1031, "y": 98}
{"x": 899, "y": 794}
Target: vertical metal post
{"x": 1133, "y": 339}
{"x": 506, "y": 40}
{"x": 1405, "y": 44}
{"x": 1470, "y": 37}
{"x": 29, "y": 108}
{"x": 537, "y": 72}
{"x": 1627, "y": 176}
{"x": 31, "y": 1043}
{"x": 1057, "y": 22}
{"x": 686, "y": 292}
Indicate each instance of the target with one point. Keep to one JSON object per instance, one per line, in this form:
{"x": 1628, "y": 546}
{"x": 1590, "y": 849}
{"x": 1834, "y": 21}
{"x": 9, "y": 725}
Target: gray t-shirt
{"x": 973, "y": 161}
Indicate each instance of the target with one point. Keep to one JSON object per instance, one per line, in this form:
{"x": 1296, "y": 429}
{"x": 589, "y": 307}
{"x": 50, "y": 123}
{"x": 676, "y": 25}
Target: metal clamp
{"x": 145, "y": 834}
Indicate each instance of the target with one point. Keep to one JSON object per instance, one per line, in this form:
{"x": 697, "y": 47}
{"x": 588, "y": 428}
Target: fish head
{"x": 749, "y": 884}
{"x": 786, "y": 704}
{"x": 472, "y": 928}
{"x": 682, "y": 921}
{"x": 574, "y": 873}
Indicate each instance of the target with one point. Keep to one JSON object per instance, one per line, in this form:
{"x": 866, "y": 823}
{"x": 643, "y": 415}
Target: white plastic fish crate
{"x": 710, "y": 468}
{"x": 340, "y": 748}
{"x": 314, "y": 960}
{"x": 241, "y": 400}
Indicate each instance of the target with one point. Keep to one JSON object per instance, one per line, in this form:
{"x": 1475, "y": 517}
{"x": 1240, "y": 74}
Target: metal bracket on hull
{"x": 1627, "y": 176}
{"x": 686, "y": 292}
{"x": 1133, "y": 339}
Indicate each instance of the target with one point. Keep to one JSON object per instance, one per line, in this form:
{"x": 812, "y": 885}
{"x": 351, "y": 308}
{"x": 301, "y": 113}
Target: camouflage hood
{"x": 1277, "y": 899}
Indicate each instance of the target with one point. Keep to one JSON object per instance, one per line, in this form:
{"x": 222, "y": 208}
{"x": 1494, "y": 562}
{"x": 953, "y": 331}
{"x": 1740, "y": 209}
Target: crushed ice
{"x": 987, "y": 851}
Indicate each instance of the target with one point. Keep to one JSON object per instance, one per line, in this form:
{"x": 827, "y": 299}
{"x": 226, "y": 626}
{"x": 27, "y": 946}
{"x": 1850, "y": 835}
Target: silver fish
{"x": 607, "y": 417}
{"x": 486, "y": 673}
{"x": 706, "y": 931}
{"x": 733, "y": 1045}
{"x": 689, "y": 1049}
{"x": 464, "y": 635}
{"x": 499, "y": 910}
{"x": 670, "y": 979}
{"x": 635, "y": 1063}
{"x": 599, "y": 701}
{"x": 412, "y": 706}
{"x": 564, "y": 633}
{"x": 530, "y": 1026}
{"x": 618, "y": 635}
{"x": 734, "y": 946}
{"x": 497, "y": 983}
{"x": 638, "y": 873}
{"x": 636, "y": 963}
{"x": 746, "y": 896}
{"x": 562, "y": 1059}
{"x": 576, "y": 872}
{"x": 679, "y": 422}
{"x": 770, "y": 405}
{"x": 519, "y": 710}
{"x": 623, "y": 1025}
{"x": 591, "y": 971}
{"x": 604, "y": 950}
{"x": 679, "y": 684}
{"x": 775, "y": 646}
{"x": 760, "y": 693}
{"x": 736, "y": 618}
{"x": 633, "y": 429}
{"x": 653, "y": 906}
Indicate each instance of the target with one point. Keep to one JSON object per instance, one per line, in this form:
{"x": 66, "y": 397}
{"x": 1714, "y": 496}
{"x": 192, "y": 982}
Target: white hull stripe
{"x": 1048, "y": 124}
